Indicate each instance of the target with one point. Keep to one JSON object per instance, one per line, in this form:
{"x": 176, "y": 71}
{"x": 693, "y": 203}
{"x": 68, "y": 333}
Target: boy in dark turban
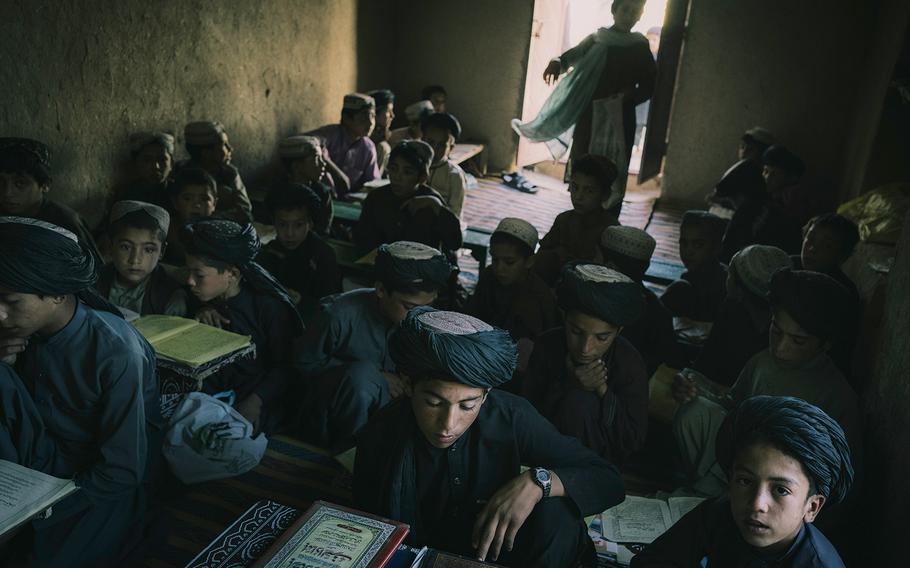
{"x": 447, "y": 459}
{"x": 584, "y": 377}
{"x": 84, "y": 405}
{"x": 239, "y": 295}
{"x": 785, "y": 460}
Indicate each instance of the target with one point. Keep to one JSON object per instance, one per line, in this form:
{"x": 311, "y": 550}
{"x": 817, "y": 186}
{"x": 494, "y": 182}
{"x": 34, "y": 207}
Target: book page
{"x": 25, "y": 492}
{"x": 200, "y": 344}
{"x": 679, "y": 506}
{"x": 158, "y": 327}
{"x": 637, "y": 519}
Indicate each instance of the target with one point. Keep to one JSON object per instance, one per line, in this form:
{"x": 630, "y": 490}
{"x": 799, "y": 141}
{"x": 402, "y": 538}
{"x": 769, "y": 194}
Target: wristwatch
{"x": 542, "y": 479}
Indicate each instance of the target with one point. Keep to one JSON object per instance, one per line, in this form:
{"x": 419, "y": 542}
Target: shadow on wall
{"x": 99, "y": 70}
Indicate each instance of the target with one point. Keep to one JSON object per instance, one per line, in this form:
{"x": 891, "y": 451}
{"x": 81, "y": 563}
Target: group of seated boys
{"x": 547, "y": 365}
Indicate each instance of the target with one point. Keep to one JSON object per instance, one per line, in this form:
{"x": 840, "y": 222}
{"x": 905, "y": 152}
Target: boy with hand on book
{"x": 447, "y": 458}
{"x": 576, "y": 232}
{"x": 299, "y": 258}
{"x": 510, "y": 294}
{"x": 239, "y": 295}
{"x": 343, "y": 358}
{"x": 785, "y": 459}
{"x": 408, "y": 209}
{"x": 134, "y": 280}
{"x": 85, "y": 403}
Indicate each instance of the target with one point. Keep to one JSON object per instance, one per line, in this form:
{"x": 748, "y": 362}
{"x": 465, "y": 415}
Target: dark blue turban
{"x": 406, "y": 265}
{"x": 453, "y": 346}
{"x": 416, "y": 152}
{"x": 37, "y": 257}
{"x": 816, "y": 301}
{"x": 234, "y": 244}
{"x": 601, "y": 292}
{"x": 798, "y": 429}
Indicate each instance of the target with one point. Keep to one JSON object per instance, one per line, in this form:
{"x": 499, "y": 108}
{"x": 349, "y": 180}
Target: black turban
{"x": 26, "y": 155}
{"x": 743, "y": 178}
{"x": 779, "y": 157}
{"x": 295, "y": 196}
{"x": 37, "y": 257}
{"x": 443, "y": 120}
{"x": 798, "y": 429}
{"x": 716, "y": 226}
{"x": 601, "y": 292}
{"x": 406, "y": 265}
{"x": 431, "y": 343}
{"x": 382, "y": 97}
{"x": 816, "y": 301}
{"x": 235, "y": 244}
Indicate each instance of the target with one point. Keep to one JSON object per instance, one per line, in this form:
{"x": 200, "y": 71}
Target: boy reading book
{"x": 576, "y": 232}
{"x": 343, "y": 358}
{"x": 408, "y": 209}
{"x": 239, "y": 295}
{"x": 134, "y": 280}
{"x": 785, "y": 459}
{"x": 299, "y": 258}
{"x": 447, "y": 458}
{"x": 85, "y": 403}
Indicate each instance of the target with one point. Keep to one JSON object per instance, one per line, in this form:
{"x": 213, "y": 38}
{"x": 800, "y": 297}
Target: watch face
{"x": 543, "y": 475}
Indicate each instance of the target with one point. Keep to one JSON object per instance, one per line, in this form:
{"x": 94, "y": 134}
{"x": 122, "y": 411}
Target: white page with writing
{"x": 25, "y": 492}
{"x": 679, "y": 506}
{"x": 637, "y": 519}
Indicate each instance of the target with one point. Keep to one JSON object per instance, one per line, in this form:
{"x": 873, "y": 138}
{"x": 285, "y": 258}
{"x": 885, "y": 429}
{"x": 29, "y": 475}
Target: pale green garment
{"x": 132, "y": 298}
{"x": 557, "y": 117}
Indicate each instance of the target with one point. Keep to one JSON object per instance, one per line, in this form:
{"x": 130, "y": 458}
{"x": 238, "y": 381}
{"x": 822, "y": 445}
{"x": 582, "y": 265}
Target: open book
{"x": 25, "y": 492}
{"x": 192, "y": 348}
{"x": 641, "y": 520}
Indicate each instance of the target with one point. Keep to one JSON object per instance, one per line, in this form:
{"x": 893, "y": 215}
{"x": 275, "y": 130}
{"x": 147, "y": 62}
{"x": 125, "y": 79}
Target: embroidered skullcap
{"x": 416, "y": 152}
{"x": 754, "y": 265}
{"x": 139, "y": 140}
{"x": 443, "y": 120}
{"x": 203, "y": 133}
{"x": 417, "y": 111}
{"x": 37, "y": 257}
{"x": 602, "y": 292}
{"x": 299, "y": 146}
{"x": 816, "y": 301}
{"x": 628, "y": 241}
{"x": 760, "y": 135}
{"x": 780, "y": 157}
{"x": 26, "y": 155}
{"x": 452, "y": 345}
{"x": 798, "y": 429}
{"x": 409, "y": 265}
{"x": 123, "y": 208}
{"x": 519, "y": 229}
{"x": 358, "y": 101}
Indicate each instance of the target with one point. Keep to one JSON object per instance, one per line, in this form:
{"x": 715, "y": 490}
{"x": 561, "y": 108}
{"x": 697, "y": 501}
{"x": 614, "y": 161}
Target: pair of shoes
{"x": 517, "y": 181}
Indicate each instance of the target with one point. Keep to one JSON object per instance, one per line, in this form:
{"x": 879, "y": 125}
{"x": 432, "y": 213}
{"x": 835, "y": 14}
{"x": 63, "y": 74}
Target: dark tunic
{"x": 59, "y": 214}
{"x": 708, "y": 536}
{"x": 384, "y": 221}
{"x": 273, "y": 326}
{"x": 613, "y": 426}
{"x": 573, "y": 236}
{"x": 440, "y": 493}
{"x": 734, "y": 339}
{"x": 158, "y": 292}
{"x": 652, "y": 335}
{"x": 697, "y": 295}
{"x": 760, "y": 221}
{"x": 628, "y": 68}
{"x": 310, "y": 270}
{"x": 233, "y": 201}
{"x": 84, "y": 407}
{"x": 525, "y": 310}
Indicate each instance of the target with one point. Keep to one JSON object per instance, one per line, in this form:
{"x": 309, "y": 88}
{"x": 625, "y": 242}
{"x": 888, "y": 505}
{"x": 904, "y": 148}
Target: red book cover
{"x": 328, "y": 534}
